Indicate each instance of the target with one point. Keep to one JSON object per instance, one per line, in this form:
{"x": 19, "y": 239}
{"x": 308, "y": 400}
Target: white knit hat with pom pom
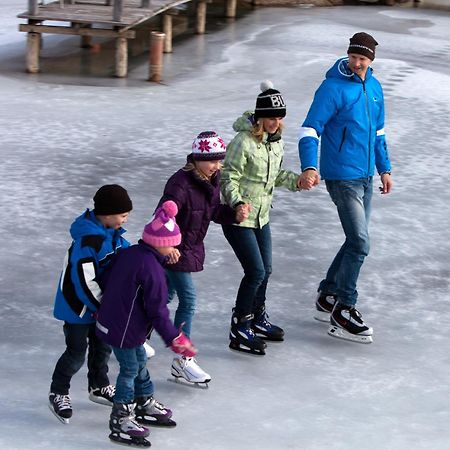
{"x": 269, "y": 103}
{"x": 162, "y": 230}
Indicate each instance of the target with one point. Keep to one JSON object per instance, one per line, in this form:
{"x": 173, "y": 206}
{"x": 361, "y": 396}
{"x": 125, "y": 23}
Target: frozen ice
{"x": 64, "y": 134}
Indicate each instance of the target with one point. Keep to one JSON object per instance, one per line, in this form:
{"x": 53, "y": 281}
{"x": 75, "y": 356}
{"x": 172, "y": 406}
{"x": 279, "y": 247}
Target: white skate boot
{"x": 149, "y": 350}
{"x": 188, "y": 370}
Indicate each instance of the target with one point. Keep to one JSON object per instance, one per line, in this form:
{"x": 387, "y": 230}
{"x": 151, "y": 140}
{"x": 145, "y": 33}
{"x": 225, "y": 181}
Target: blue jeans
{"x": 353, "y": 201}
{"x": 182, "y": 284}
{"x": 79, "y": 338}
{"x": 253, "y": 248}
{"x": 133, "y": 380}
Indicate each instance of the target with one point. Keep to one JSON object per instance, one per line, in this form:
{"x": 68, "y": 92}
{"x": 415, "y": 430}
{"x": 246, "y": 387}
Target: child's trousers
{"x": 79, "y": 338}
{"x": 133, "y": 380}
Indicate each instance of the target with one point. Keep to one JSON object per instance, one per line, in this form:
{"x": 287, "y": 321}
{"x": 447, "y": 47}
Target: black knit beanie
{"x": 269, "y": 103}
{"x": 363, "y": 44}
{"x": 112, "y": 199}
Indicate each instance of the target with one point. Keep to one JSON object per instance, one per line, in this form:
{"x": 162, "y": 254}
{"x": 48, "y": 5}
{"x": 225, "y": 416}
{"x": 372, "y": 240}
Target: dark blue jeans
{"x": 353, "y": 201}
{"x": 133, "y": 380}
{"x": 79, "y": 338}
{"x": 253, "y": 248}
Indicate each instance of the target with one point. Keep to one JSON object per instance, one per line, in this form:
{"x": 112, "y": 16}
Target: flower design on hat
{"x": 203, "y": 146}
{"x": 221, "y": 142}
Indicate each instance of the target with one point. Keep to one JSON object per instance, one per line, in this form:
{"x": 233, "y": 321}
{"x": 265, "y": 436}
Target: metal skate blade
{"x": 183, "y": 382}
{"x": 340, "y": 333}
{"x": 100, "y": 400}
{"x": 322, "y": 316}
{"x": 61, "y": 419}
{"x": 247, "y": 350}
{"x": 129, "y": 442}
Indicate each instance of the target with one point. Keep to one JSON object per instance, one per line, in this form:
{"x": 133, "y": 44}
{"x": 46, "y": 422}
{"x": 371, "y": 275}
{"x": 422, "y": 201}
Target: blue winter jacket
{"x": 134, "y": 299}
{"x": 347, "y": 114}
{"x": 78, "y": 295}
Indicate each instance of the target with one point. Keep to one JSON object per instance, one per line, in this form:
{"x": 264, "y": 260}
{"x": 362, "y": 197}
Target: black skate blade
{"x": 61, "y": 419}
{"x": 269, "y": 338}
{"x": 183, "y": 382}
{"x": 166, "y": 423}
{"x": 244, "y": 349}
{"x": 129, "y": 442}
{"x": 340, "y": 333}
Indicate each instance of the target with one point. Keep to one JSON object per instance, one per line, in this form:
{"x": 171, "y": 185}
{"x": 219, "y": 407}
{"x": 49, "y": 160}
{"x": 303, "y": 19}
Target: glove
{"x": 183, "y": 346}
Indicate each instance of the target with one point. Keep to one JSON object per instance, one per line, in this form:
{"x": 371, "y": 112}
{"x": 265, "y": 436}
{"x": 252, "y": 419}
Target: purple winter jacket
{"x": 198, "y": 204}
{"x": 134, "y": 299}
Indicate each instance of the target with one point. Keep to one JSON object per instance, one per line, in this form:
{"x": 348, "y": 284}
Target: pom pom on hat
{"x": 208, "y": 146}
{"x": 162, "y": 230}
{"x": 269, "y": 103}
{"x": 266, "y": 85}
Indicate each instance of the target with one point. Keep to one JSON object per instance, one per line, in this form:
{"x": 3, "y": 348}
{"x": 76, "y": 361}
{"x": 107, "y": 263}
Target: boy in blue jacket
{"x": 97, "y": 237}
{"x": 134, "y": 302}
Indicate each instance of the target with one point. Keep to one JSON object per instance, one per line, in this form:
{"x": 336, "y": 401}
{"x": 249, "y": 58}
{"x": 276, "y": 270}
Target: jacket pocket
{"x": 342, "y": 139}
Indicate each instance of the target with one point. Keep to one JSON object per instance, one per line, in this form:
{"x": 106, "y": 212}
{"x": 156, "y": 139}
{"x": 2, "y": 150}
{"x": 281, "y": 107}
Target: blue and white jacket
{"x": 347, "y": 114}
{"x": 79, "y": 295}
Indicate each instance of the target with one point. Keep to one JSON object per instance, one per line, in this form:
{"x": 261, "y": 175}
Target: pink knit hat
{"x": 162, "y": 230}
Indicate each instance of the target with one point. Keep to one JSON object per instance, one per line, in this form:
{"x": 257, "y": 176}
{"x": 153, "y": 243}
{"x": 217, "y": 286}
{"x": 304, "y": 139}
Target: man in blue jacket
{"x": 347, "y": 115}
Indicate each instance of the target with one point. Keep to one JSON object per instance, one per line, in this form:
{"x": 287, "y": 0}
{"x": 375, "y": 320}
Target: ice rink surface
{"x": 65, "y": 133}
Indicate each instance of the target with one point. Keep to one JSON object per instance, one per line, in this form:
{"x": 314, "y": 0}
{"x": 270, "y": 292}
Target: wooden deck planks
{"x": 100, "y": 14}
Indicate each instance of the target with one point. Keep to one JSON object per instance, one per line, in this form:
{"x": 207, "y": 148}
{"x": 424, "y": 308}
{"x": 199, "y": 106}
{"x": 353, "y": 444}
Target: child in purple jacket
{"x": 195, "y": 190}
{"x": 134, "y": 302}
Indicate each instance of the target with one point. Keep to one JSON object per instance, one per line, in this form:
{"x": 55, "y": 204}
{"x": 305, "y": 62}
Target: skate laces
{"x": 108, "y": 391}
{"x": 63, "y": 401}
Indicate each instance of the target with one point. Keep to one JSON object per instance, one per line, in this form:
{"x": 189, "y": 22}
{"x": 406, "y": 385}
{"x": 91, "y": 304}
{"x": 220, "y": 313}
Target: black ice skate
{"x": 103, "y": 396}
{"x": 124, "y": 428}
{"x": 60, "y": 406}
{"x": 324, "y": 306}
{"x": 346, "y": 323}
{"x": 264, "y": 329}
{"x": 242, "y": 336}
{"x": 151, "y": 412}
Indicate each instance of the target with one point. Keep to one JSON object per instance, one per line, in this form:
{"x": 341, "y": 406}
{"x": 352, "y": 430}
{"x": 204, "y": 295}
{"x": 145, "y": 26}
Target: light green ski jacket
{"x": 251, "y": 170}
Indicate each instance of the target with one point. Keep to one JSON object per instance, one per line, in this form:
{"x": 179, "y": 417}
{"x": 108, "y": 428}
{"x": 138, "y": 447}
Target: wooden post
{"x": 33, "y": 50}
{"x": 33, "y": 7}
{"x": 167, "y": 30}
{"x": 86, "y": 40}
{"x": 231, "y": 8}
{"x": 121, "y": 57}
{"x": 118, "y": 10}
{"x": 156, "y": 56}
{"x": 201, "y": 18}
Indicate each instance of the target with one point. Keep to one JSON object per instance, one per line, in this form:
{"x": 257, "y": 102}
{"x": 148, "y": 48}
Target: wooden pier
{"x": 114, "y": 19}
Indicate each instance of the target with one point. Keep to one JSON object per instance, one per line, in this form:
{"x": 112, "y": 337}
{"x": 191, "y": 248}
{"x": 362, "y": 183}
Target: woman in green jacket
{"x": 251, "y": 170}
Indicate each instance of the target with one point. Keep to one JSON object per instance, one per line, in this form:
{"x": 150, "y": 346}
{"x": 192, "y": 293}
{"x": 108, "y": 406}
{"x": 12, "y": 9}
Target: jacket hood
{"x": 244, "y": 122}
{"x": 88, "y": 225}
{"x": 341, "y": 70}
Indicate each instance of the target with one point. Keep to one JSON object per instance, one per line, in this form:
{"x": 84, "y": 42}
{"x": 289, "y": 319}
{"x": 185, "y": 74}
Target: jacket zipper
{"x": 370, "y": 125}
{"x": 343, "y": 139}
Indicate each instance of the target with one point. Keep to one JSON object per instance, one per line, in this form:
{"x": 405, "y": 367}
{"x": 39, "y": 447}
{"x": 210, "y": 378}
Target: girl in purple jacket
{"x": 195, "y": 189}
{"x": 134, "y": 302}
